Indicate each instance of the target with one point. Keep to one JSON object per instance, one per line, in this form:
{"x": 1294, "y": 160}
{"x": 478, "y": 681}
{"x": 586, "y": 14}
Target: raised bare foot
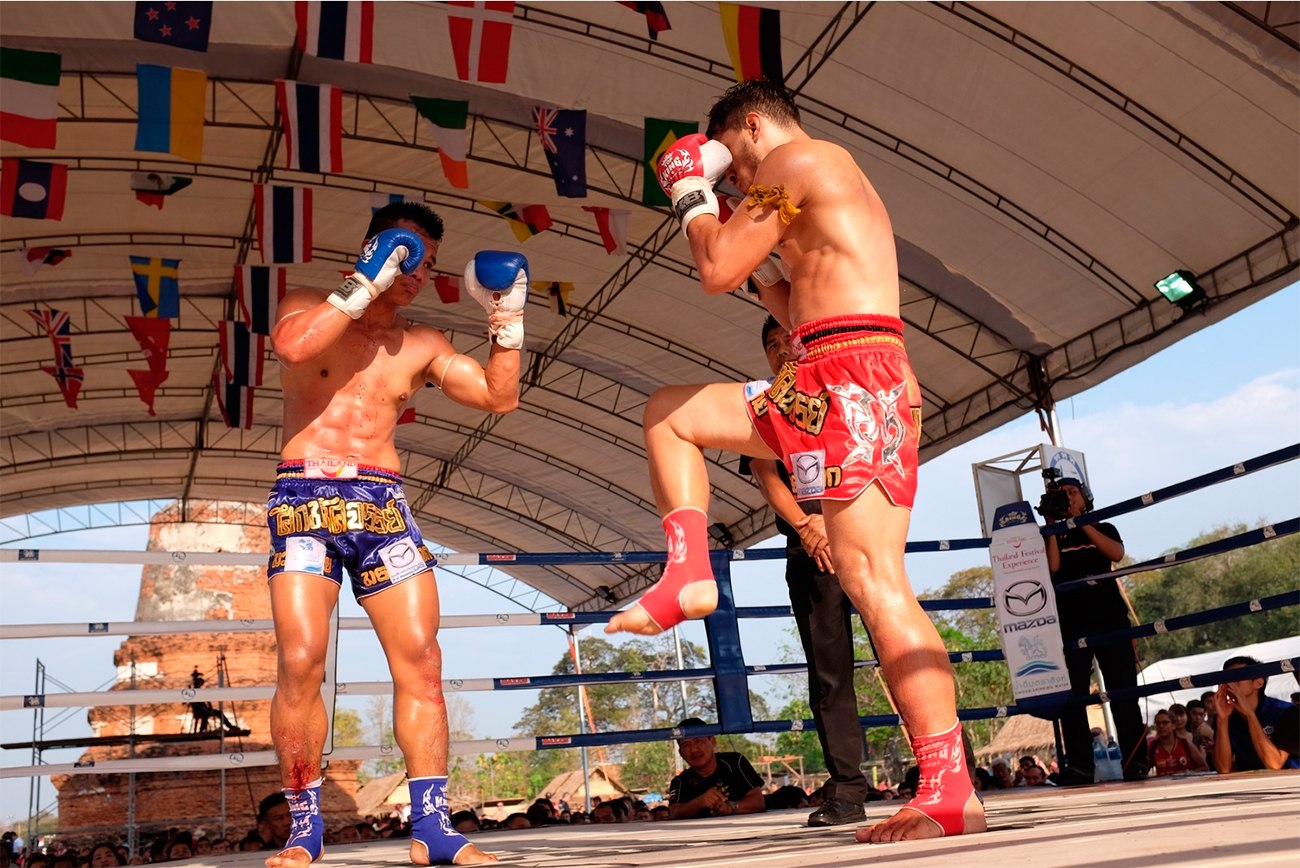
{"x": 694, "y": 600}
{"x": 467, "y": 855}
{"x": 912, "y": 824}
{"x": 291, "y": 857}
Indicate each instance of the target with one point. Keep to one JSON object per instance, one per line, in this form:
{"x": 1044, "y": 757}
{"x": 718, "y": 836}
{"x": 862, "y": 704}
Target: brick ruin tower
{"x": 93, "y": 804}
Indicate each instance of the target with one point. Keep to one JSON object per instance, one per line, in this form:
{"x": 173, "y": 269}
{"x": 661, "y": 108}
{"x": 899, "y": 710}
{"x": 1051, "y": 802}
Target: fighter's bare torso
{"x": 344, "y": 402}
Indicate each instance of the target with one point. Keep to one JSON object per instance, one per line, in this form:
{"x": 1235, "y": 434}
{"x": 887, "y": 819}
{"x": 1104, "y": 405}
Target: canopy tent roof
{"x": 1043, "y": 164}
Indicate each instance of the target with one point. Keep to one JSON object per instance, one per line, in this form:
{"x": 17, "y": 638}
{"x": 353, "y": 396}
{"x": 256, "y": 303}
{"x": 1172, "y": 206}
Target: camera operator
{"x": 1088, "y": 609}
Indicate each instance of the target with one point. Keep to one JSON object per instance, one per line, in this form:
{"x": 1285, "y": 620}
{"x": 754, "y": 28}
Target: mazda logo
{"x": 1024, "y": 598}
{"x": 806, "y": 467}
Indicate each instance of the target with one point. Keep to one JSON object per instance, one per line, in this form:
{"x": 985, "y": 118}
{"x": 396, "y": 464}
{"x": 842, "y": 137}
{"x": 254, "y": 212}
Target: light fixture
{"x": 1181, "y": 288}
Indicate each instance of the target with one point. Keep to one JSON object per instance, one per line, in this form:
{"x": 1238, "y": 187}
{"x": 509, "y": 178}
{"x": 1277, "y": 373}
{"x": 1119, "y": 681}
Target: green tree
{"x": 1259, "y": 571}
{"x": 379, "y": 730}
{"x": 348, "y": 731}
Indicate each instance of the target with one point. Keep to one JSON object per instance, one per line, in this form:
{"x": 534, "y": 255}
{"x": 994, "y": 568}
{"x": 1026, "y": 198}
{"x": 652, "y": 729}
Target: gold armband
{"x": 761, "y": 195}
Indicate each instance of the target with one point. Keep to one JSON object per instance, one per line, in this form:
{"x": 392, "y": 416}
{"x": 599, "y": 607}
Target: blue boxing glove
{"x": 389, "y": 252}
{"x": 499, "y": 281}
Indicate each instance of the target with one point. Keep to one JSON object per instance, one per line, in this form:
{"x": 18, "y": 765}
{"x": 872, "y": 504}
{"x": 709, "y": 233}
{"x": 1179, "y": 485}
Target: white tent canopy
{"x": 1042, "y": 163}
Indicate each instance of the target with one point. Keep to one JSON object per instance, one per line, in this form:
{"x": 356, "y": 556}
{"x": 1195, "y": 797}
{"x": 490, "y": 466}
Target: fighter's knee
{"x": 300, "y": 664}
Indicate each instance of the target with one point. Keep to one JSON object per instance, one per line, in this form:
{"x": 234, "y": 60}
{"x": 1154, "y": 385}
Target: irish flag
{"x": 449, "y": 121}
{"x": 29, "y": 96}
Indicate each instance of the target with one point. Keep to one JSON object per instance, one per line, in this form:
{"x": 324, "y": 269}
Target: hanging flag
{"x": 152, "y": 188}
{"x": 154, "y": 336}
{"x": 32, "y": 258}
{"x": 58, "y": 328}
{"x": 29, "y": 96}
{"x": 339, "y": 31}
{"x": 407, "y": 417}
{"x": 449, "y": 120}
{"x": 563, "y": 133}
{"x": 612, "y": 225}
{"x": 157, "y": 284}
{"x": 31, "y": 189}
{"x": 234, "y": 400}
{"x": 259, "y": 290}
{"x": 312, "y": 115}
{"x": 753, "y": 37}
{"x": 242, "y": 352}
{"x": 448, "y": 288}
{"x": 525, "y": 220}
{"x": 185, "y": 25}
{"x": 147, "y": 383}
{"x": 557, "y": 294}
{"x": 480, "y": 39}
{"x": 69, "y": 380}
{"x": 171, "y": 104}
{"x": 283, "y": 222}
{"x": 659, "y": 136}
{"x": 382, "y": 200}
{"x": 656, "y": 19}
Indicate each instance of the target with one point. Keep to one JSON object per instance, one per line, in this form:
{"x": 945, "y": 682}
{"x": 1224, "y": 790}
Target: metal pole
{"x": 38, "y": 735}
{"x": 681, "y": 685}
{"x": 132, "y": 833}
{"x": 221, "y": 722}
{"x": 582, "y": 724}
{"x": 1054, "y": 423}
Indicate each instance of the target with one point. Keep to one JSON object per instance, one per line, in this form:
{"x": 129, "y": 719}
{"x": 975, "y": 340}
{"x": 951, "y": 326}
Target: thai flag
{"x": 259, "y": 289}
{"x": 340, "y": 31}
{"x": 312, "y": 115}
{"x": 235, "y": 401}
{"x": 283, "y": 222}
{"x": 242, "y": 353}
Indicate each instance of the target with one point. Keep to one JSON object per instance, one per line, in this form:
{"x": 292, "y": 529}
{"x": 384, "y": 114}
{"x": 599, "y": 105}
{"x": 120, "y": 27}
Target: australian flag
{"x": 563, "y": 133}
{"x": 185, "y": 25}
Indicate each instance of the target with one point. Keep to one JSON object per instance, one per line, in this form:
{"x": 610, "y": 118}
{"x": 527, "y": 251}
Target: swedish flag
{"x": 157, "y": 284}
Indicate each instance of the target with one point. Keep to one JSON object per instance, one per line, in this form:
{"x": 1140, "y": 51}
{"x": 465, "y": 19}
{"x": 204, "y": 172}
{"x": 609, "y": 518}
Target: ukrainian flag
{"x": 171, "y": 110}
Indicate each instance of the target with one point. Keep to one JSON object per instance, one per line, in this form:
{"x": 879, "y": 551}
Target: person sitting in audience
{"x": 604, "y": 813}
{"x": 1171, "y": 753}
{"x": 1003, "y": 779}
{"x": 465, "y": 822}
{"x": 784, "y": 798}
{"x": 659, "y": 812}
{"x": 1252, "y": 730}
{"x": 516, "y": 821}
{"x": 274, "y": 821}
{"x": 1199, "y": 727}
{"x": 714, "y": 784}
{"x": 1035, "y": 776}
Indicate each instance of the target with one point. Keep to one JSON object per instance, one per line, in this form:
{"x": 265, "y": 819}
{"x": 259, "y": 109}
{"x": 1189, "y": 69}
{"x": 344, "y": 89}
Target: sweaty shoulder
{"x": 802, "y": 169}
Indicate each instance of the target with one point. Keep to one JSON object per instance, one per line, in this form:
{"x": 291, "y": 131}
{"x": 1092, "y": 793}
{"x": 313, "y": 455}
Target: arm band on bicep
{"x": 443, "y": 378}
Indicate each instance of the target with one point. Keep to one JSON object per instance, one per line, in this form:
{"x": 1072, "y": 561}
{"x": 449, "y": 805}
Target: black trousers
{"x": 822, "y": 612}
{"x": 1118, "y": 666}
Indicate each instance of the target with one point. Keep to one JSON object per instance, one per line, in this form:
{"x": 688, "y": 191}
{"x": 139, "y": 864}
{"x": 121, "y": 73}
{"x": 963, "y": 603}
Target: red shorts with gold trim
{"x": 847, "y": 414}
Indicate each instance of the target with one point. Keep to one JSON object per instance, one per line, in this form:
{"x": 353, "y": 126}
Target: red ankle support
{"x": 944, "y": 788}
{"x": 686, "y": 530}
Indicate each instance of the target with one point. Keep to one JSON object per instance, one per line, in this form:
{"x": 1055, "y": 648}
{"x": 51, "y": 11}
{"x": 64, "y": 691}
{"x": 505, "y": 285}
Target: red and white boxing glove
{"x": 687, "y": 172}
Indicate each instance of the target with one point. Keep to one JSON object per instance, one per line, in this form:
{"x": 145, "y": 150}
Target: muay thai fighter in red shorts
{"x": 845, "y": 418}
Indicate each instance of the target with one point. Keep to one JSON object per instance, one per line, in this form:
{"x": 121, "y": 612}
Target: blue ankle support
{"x": 308, "y": 829}
{"x": 430, "y": 822}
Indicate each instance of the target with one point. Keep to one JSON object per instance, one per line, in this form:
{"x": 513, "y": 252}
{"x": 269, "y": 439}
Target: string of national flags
{"x": 171, "y": 120}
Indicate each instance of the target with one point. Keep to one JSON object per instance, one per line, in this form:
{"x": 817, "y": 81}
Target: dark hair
{"x": 1243, "y": 660}
{"x": 272, "y": 801}
{"x": 769, "y": 325}
{"x": 538, "y": 815}
{"x": 462, "y": 816}
{"x": 112, "y": 848}
{"x": 1195, "y": 703}
{"x": 760, "y": 95}
{"x": 416, "y": 212}
{"x": 788, "y": 796}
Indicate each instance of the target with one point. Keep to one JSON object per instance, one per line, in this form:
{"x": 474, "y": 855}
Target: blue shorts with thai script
{"x": 326, "y": 515}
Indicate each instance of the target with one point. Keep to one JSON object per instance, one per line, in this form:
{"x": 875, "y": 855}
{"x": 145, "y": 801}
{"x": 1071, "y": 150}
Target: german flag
{"x": 753, "y": 37}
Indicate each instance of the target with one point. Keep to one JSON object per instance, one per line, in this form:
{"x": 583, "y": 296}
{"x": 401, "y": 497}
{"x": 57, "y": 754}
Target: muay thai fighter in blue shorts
{"x": 350, "y": 364}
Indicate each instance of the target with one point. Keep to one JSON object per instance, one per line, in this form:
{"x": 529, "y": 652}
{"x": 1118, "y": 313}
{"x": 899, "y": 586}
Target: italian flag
{"x": 29, "y": 96}
{"x": 449, "y": 120}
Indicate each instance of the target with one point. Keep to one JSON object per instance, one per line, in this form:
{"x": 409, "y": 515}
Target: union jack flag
{"x": 545, "y": 119}
{"x": 58, "y": 326}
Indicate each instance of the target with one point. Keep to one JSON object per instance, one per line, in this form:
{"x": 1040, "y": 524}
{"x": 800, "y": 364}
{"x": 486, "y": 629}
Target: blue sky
{"x": 1227, "y": 393}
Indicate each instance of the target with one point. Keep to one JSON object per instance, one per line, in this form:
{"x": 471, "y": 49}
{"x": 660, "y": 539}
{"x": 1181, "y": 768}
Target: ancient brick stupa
{"x": 90, "y": 804}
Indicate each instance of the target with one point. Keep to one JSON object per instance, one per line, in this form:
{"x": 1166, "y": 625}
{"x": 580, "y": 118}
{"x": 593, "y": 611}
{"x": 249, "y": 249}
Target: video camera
{"x": 1054, "y": 505}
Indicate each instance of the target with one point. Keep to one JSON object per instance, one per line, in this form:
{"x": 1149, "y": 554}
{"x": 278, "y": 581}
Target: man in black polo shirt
{"x": 1253, "y": 730}
{"x": 713, "y": 784}
{"x": 1087, "y": 609}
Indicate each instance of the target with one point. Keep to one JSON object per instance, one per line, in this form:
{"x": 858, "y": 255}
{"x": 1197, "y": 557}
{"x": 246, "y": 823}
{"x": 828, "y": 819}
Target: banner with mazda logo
{"x": 1026, "y": 607}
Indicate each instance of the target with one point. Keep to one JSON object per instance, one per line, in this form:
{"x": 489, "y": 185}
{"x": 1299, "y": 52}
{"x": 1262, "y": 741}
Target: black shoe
{"x": 1073, "y": 777}
{"x": 837, "y": 812}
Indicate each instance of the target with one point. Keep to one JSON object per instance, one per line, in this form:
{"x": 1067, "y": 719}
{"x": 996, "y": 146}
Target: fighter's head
{"x": 758, "y": 95}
